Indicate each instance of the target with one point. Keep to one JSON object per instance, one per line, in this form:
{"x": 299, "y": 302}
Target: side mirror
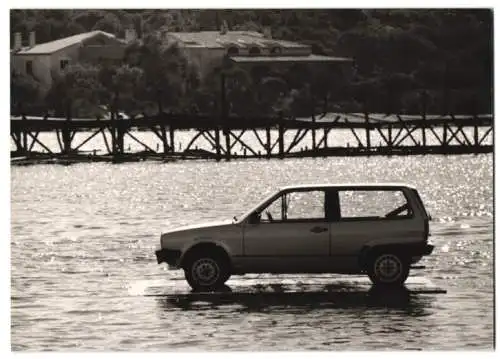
{"x": 254, "y": 218}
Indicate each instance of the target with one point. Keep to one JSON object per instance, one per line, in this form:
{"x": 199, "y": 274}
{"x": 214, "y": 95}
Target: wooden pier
{"x": 396, "y": 135}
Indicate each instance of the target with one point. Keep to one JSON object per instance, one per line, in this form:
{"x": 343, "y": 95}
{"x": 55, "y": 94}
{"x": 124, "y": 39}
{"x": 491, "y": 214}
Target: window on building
{"x": 29, "y": 67}
{"x": 64, "y": 64}
{"x": 233, "y": 50}
{"x": 276, "y": 50}
{"x": 254, "y": 51}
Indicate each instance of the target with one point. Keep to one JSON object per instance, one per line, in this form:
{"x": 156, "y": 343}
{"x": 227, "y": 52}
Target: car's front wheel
{"x": 388, "y": 269}
{"x": 206, "y": 271}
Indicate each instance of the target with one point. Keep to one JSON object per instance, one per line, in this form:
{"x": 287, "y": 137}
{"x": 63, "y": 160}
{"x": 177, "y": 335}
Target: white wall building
{"x": 206, "y": 48}
{"x": 43, "y": 61}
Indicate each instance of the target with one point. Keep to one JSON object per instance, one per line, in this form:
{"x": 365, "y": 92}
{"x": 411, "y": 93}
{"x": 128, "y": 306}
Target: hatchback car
{"x": 377, "y": 229}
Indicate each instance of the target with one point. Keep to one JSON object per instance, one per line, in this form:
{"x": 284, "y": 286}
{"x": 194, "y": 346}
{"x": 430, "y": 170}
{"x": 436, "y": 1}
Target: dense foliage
{"x": 398, "y": 55}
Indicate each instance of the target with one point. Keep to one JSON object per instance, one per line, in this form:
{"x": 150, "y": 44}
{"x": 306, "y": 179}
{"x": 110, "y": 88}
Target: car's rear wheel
{"x": 388, "y": 269}
{"x": 206, "y": 271}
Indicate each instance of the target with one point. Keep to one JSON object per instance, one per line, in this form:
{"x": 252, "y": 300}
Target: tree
{"x": 121, "y": 88}
{"x": 446, "y": 51}
{"x": 24, "y": 92}
{"x": 168, "y": 76}
{"x": 109, "y": 23}
{"x": 88, "y": 18}
{"x": 75, "y": 92}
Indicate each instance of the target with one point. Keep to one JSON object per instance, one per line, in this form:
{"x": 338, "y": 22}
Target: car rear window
{"x": 373, "y": 204}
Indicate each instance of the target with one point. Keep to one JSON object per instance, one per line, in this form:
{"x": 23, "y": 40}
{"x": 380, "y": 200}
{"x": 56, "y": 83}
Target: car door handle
{"x": 318, "y": 229}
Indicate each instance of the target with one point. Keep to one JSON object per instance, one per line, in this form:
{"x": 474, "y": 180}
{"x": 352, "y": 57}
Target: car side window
{"x": 305, "y": 205}
{"x": 373, "y": 204}
{"x": 272, "y": 212}
{"x": 296, "y": 206}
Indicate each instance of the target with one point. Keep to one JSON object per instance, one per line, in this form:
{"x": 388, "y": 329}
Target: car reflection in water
{"x": 275, "y": 297}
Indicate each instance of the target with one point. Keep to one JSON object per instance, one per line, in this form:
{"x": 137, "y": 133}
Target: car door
{"x": 293, "y": 235}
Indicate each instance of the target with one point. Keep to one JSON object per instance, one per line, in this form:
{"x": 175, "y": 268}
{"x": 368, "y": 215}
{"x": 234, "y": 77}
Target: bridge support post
{"x": 281, "y": 133}
{"x": 113, "y": 133}
{"x": 268, "y": 141}
{"x": 224, "y": 116}
{"x": 314, "y": 133}
{"x": 424, "y": 111}
{"x": 163, "y": 133}
{"x": 66, "y": 138}
{"x": 16, "y": 136}
{"x": 228, "y": 144}
{"x": 217, "y": 144}
{"x": 25, "y": 136}
{"x": 120, "y": 134}
{"x": 445, "y": 135}
{"x": 367, "y": 122}
{"x": 66, "y": 135}
{"x": 476, "y": 132}
{"x": 171, "y": 133}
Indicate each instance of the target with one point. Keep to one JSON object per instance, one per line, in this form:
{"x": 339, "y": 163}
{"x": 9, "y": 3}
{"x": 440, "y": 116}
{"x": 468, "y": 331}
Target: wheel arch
{"x": 211, "y": 247}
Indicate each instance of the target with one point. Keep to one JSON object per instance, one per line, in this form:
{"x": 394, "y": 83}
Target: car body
{"x": 377, "y": 229}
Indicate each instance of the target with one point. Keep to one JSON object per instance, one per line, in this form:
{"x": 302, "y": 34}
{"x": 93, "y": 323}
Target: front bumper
{"x": 426, "y": 250}
{"x": 169, "y": 256}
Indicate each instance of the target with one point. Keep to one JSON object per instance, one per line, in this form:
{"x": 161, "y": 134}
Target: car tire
{"x": 206, "y": 271}
{"x": 386, "y": 268}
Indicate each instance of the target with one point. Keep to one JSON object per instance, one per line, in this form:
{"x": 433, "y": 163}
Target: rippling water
{"x": 84, "y": 276}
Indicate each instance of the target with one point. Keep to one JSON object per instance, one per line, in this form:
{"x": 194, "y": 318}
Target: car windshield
{"x": 253, "y": 208}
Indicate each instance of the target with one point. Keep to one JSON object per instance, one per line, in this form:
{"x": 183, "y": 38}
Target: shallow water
{"x": 84, "y": 275}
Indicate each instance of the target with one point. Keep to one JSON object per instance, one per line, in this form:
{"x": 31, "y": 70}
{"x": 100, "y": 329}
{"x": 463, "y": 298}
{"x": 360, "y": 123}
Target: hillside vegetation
{"x": 404, "y": 61}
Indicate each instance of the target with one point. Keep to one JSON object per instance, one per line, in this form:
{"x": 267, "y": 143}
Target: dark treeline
{"x": 404, "y": 61}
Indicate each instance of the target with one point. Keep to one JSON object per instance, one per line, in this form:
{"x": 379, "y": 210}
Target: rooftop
{"x": 216, "y": 39}
{"x": 368, "y": 185}
{"x": 56, "y": 45}
{"x": 303, "y": 58}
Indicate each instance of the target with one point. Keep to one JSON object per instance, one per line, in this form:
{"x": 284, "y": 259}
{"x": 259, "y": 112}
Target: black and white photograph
{"x": 238, "y": 179}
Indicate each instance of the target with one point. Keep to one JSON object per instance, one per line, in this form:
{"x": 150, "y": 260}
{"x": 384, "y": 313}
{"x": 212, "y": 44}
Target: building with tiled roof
{"x": 204, "y": 48}
{"x": 43, "y": 61}
{"x": 244, "y": 47}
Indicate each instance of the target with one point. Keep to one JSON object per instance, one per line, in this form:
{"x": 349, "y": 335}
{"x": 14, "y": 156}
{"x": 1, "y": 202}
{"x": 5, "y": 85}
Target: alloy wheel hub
{"x": 388, "y": 267}
{"x": 206, "y": 271}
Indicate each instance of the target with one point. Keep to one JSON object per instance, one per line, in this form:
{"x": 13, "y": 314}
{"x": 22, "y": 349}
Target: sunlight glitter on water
{"x": 82, "y": 253}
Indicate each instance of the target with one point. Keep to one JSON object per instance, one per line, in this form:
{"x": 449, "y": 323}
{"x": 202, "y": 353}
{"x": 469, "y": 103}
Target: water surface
{"x": 83, "y": 266}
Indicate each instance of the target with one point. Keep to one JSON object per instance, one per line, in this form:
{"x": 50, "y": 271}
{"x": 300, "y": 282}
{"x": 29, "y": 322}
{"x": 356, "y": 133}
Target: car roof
{"x": 370, "y": 185}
